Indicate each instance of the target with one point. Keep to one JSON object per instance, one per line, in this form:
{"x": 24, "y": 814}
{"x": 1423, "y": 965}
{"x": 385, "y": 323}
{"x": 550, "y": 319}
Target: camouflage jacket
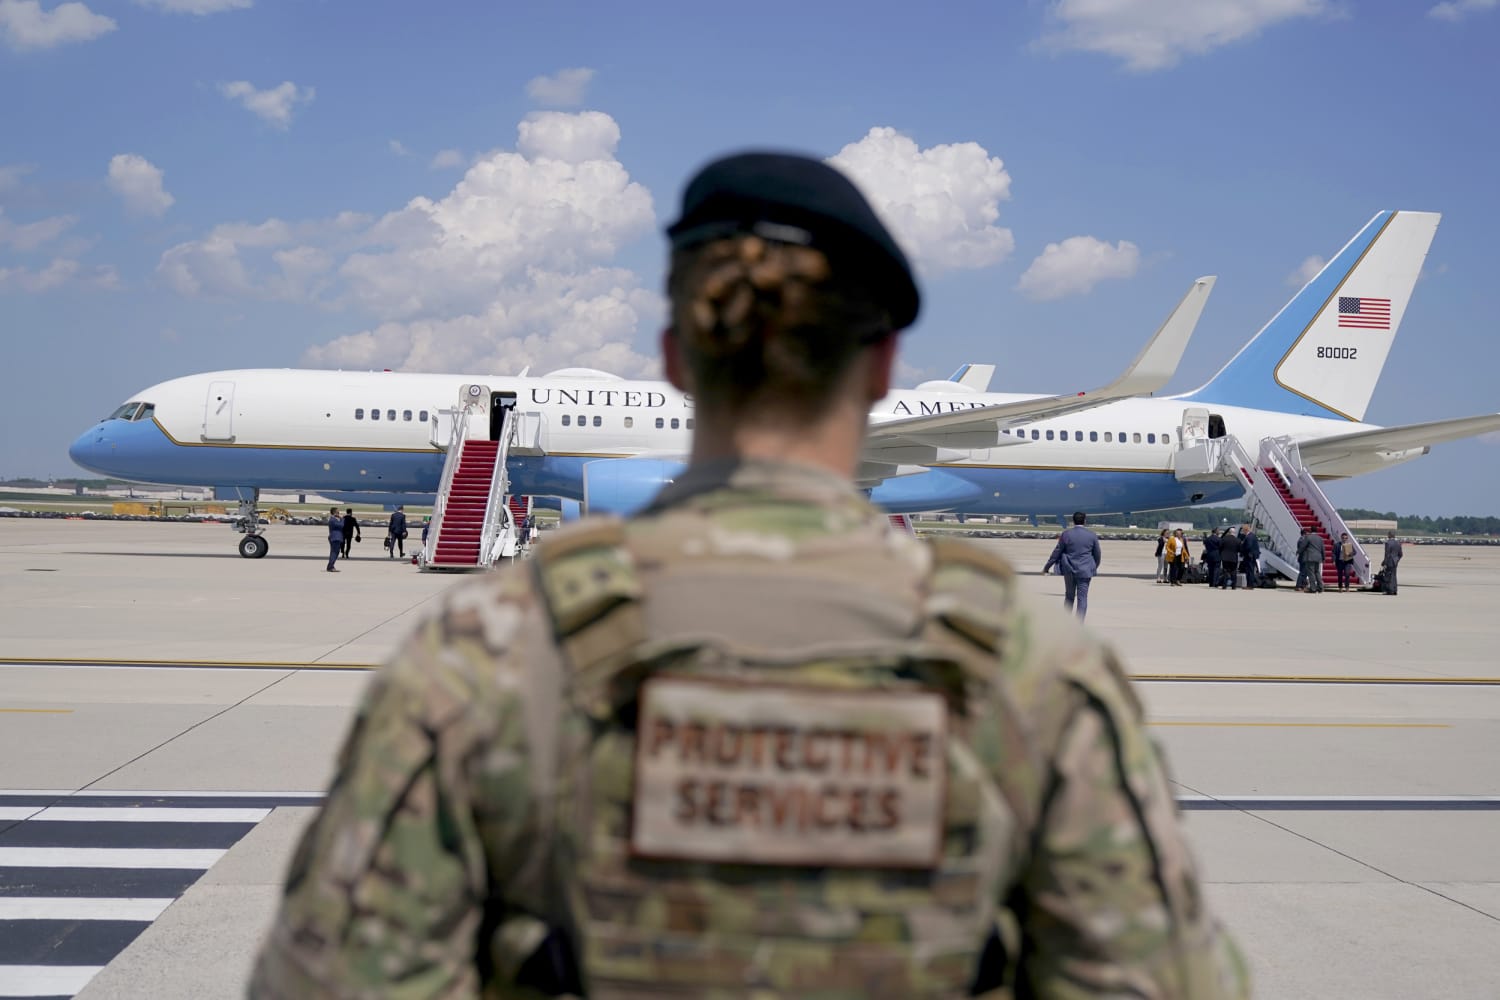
{"x": 422, "y": 875}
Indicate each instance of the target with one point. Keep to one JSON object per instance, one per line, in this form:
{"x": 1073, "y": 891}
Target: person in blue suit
{"x": 335, "y": 537}
{"x": 1077, "y": 556}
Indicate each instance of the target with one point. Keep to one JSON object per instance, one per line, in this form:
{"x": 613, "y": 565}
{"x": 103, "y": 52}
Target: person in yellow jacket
{"x": 1177, "y": 556}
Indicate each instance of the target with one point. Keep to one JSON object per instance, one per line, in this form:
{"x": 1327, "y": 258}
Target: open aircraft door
{"x": 1194, "y": 427}
{"x": 218, "y": 412}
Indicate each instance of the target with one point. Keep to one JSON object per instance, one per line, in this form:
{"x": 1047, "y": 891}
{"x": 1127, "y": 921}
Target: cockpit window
{"x": 148, "y": 410}
{"x": 125, "y": 412}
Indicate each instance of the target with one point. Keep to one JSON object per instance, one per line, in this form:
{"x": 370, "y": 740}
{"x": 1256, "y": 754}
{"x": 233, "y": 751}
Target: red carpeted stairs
{"x": 1303, "y": 512}
{"x": 520, "y": 508}
{"x": 463, "y": 513}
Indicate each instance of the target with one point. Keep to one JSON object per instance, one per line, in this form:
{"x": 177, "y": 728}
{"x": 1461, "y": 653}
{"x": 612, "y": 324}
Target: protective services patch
{"x": 747, "y": 773}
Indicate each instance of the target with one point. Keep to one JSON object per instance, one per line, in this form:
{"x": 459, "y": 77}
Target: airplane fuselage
{"x": 340, "y": 432}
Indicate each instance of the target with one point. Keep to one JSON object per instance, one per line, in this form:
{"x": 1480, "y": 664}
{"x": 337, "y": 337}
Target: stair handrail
{"x": 1263, "y": 505}
{"x": 445, "y": 482}
{"x": 495, "y": 504}
{"x": 1304, "y": 486}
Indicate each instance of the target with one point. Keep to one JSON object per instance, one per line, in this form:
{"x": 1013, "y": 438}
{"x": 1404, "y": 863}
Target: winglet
{"x": 1157, "y": 363}
{"x": 975, "y": 377}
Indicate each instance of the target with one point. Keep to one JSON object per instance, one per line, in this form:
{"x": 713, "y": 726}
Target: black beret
{"x": 798, "y": 199}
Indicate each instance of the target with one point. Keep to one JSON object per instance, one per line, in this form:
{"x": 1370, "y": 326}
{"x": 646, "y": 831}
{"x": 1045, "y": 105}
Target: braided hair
{"x": 768, "y": 323}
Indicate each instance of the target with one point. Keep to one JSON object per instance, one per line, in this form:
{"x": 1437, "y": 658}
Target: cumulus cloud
{"x": 138, "y": 183}
{"x": 274, "y": 259}
{"x": 398, "y": 147}
{"x": 1306, "y": 271}
{"x": 61, "y": 271}
{"x": 1076, "y": 265}
{"x": 563, "y": 89}
{"x": 199, "y": 7}
{"x": 1155, "y": 34}
{"x": 941, "y": 203}
{"x": 273, "y": 105}
{"x": 511, "y": 267}
{"x": 28, "y": 236}
{"x": 26, "y": 25}
{"x": 448, "y": 159}
{"x": 1457, "y": 10}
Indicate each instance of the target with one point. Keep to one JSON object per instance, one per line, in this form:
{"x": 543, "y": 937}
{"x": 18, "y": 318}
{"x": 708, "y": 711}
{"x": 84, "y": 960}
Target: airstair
{"x": 1280, "y": 495}
{"x": 472, "y": 525}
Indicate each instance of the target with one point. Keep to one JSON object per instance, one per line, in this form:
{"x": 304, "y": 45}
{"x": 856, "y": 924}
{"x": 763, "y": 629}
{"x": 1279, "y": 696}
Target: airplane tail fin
{"x": 1322, "y": 354}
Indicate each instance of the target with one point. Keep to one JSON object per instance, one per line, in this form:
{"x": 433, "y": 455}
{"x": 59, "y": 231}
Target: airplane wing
{"x": 1151, "y": 370}
{"x": 1326, "y": 452}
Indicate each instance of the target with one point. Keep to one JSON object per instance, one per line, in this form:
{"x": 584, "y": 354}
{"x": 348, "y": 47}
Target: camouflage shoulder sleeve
{"x": 1110, "y": 900}
{"x": 428, "y": 814}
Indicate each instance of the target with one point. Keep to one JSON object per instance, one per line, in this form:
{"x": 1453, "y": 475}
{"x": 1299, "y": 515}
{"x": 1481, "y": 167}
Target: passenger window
{"x": 567, "y": 420}
{"x": 582, "y": 420}
{"x": 598, "y": 421}
{"x": 374, "y": 414}
{"x": 359, "y": 413}
{"x": 1062, "y": 435}
{"x": 406, "y": 415}
{"x": 390, "y": 414}
{"x": 1135, "y": 438}
{"x": 1166, "y": 439}
{"x": 689, "y": 423}
{"x": 674, "y": 423}
{"x": 660, "y": 423}
{"x": 1109, "y": 437}
{"x": 1123, "y": 437}
{"x": 1049, "y": 435}
{"x": 1035, "y": 434}
{"x": 422, "y": 416}
{"x": 1150, "y": 438}
{"x": 1093, "y": 435}
{"x": 629, "y": 422}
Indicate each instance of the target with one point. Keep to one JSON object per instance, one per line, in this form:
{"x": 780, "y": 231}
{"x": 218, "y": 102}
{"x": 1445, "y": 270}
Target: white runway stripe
{"x": 18, "y": 812}
{"x": 75, "y": 908}
{"x": 149, "y": 814}
{"x": 106, "y": 857}
{"x": 45, "y": 980}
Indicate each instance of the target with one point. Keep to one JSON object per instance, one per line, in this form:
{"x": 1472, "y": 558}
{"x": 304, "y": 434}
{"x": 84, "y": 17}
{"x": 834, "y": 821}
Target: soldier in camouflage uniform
{"x": 752, "y": 742}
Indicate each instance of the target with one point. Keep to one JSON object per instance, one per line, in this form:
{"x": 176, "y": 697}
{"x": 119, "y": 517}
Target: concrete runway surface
{"x": 169, "y": 714}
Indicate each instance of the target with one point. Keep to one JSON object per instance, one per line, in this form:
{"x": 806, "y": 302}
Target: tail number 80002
{"x": 1338, "y": 353}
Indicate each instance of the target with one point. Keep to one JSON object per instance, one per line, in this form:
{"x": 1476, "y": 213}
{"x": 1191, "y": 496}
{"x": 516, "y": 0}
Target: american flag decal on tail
{"x": 1364, "y": 313}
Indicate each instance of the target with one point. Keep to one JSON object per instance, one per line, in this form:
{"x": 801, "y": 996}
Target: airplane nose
{"x": 86, "y": 451}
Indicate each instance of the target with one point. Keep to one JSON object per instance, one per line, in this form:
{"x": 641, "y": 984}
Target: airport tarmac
{"x": 169, "y": 714}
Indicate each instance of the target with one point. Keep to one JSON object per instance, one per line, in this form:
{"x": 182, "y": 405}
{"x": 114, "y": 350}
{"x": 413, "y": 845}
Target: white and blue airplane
{"x": 601, "y": 443}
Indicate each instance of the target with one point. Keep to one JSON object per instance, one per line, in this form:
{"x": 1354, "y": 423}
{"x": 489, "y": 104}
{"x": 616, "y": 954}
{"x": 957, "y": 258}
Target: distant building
{"x": 1371, "y": 524}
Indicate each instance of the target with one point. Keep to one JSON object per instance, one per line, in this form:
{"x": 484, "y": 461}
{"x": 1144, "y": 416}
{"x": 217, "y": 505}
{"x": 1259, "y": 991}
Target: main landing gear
{"x": 247, "y": 522}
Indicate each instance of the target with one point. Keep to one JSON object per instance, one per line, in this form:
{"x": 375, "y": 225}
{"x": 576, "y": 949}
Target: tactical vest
{"x": 706, "y": 834}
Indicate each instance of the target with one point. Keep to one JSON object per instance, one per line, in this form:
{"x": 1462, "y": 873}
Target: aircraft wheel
{"x": 254, "y": 547}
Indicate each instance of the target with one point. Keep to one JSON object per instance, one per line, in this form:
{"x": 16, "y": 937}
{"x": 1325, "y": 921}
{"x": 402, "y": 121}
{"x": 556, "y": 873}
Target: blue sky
{"x": 189, "y": 185}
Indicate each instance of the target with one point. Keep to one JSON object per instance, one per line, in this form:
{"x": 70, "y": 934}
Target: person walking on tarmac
{"x": 1389, "y": 562}
{"x": 397, "y": 532}
{"x": 1077, "y": 556}
{"x": 351, "y": 531}
{"x": 753, "y": 741}
{"x": 335, "y": 538}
